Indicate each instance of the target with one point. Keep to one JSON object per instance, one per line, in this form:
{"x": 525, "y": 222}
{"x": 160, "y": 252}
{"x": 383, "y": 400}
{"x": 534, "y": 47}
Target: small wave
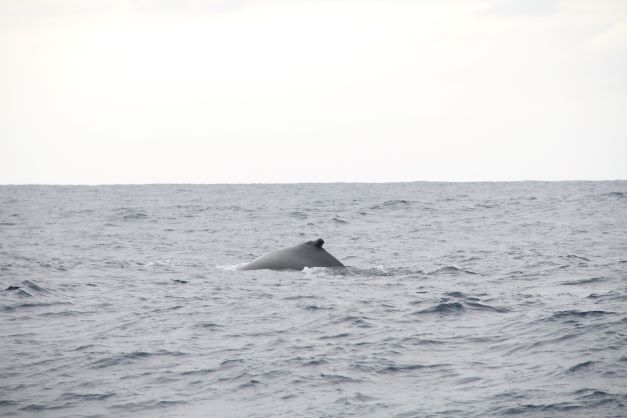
{"x": 86, "y": 396}
{"x": 450, "y": 270}
{"x": 299, "y": 215}
{"x": 317, "y": 308}
{"x": 16, "y": 290}
{"x": 208, "y": 325}
{"x": 446, "y": 308}
{"x": 466, "y": 380}
{"x": 34, "y": 287}
{"x": 400, "y": 368}
{"x": 392, "y": 203}
{"x": 621, "y": 195}
{"x": 130, "y": 214}
{"x": 339, "y": 220}
{"x": 420, "y": 341}
{"x": 337, "y": 378}
{"x": 332, "y": 337}
{"x": 249, "y": 384}
{"x": 300, "y": 297}
{"x": 608, "y": 296}
{"x": 561, "y": 407}
{"x": 584, "y": 281}
{"x": 578, "y": 314}
{"x": 443, "y": 309}
{"x": 131, "y": 357}
{"x": 201, "y": 372}
{"x": 315, "y": 362}
{"x": 580, "y": 366}
{"x": 482, "y": 307}
{"x": 9, "y": 308}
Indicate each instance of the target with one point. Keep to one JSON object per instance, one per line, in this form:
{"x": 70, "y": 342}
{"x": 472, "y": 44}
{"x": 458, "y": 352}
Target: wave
{"x": 584, "y": 281}
{"x": 450, "y": 270}
{"x": 443, "y": 309}
{"x": 127, "y": 358}
{"x": 449, "y": 308}
{"x": 580, "y": 366}
{"x": 392, "y": 204}
{"x": 129, "y": 214}
{"x": 578, "y": 314}
{"x": 620, "y": 195}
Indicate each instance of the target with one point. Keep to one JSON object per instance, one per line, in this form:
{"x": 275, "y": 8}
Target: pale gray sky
{"x": 171, "y": 91}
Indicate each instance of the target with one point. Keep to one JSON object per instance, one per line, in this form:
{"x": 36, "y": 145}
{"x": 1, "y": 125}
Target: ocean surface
{"x": 459, "y": 300}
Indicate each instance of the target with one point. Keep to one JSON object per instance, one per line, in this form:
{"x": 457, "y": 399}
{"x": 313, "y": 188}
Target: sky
{"x": 271, "y": 91}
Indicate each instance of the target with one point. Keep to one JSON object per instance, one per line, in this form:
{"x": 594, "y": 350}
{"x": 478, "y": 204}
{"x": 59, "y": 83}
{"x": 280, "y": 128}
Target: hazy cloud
{"x": 523, "y": 7}
{"x": 145, "y": 91}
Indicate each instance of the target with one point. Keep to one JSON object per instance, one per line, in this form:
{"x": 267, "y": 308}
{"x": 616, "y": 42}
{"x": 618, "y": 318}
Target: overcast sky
{"x": 171, "y": 91}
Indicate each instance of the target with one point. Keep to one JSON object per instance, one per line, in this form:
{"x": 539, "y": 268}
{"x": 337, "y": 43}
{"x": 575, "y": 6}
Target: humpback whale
{"x": 307, "y": 254}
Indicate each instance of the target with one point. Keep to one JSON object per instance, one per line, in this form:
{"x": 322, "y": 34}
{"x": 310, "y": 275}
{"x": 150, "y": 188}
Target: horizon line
{"x": 304, "y": 182}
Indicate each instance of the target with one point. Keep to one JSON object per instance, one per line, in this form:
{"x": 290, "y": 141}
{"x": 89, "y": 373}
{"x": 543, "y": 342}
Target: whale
{"x": 307, "y": 254}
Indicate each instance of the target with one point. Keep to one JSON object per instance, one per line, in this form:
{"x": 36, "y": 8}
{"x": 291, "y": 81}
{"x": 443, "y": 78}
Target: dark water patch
{"x": 584, "y": 281}
{"x": 180, "y": 281}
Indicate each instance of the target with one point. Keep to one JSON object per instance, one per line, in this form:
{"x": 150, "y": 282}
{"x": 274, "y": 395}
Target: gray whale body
{"x": 307, "y": 254}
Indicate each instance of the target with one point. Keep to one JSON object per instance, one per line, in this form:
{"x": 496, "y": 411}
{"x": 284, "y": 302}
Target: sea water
{"x": 459, "y": 299}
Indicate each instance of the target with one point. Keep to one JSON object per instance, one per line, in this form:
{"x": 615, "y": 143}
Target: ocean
{"x": 458, "y": 300}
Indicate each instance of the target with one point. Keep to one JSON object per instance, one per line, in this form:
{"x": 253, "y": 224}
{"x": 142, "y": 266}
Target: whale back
{"x": 307, "y": 254}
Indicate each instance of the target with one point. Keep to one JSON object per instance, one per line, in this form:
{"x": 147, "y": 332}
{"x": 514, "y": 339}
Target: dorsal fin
{"x": 317, "y": 243}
